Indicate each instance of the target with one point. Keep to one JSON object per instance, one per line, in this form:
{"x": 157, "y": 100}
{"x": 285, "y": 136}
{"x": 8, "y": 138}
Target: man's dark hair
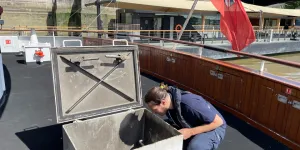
{"x": 1, "y": 10}
{"x": 156, "y": 94}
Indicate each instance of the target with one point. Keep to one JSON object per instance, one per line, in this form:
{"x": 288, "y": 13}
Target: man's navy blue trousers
{"x": 205, "y": 141}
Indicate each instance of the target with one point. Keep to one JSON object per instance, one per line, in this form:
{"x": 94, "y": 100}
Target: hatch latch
{"x": 118, "y": 57}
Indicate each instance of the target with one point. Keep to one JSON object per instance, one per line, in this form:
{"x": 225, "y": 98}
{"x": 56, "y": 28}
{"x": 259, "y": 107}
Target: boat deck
{"x": 27, "y": 119}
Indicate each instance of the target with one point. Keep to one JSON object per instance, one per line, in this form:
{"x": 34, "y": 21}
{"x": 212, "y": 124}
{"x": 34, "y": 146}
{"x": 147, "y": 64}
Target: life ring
{"x": 178, "y": 28}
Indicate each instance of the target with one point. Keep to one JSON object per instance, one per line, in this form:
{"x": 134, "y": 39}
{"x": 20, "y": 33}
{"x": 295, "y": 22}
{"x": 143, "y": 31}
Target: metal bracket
{"x": 213, "y": 73}
{"x": 282, "y": 99}
{"x": 80, "y": 42}
{"x": 119, "y": 40}
{"x": 118, "y": 57}
{"x": 173, "y": 60}
{"x": 168, "y": 59}
{"x": 220, "y": 76}
{"x": 296, "y": 105}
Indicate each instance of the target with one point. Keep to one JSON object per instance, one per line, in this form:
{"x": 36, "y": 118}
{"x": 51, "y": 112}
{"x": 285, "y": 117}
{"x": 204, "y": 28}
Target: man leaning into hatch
{"x": 201, "y": 125}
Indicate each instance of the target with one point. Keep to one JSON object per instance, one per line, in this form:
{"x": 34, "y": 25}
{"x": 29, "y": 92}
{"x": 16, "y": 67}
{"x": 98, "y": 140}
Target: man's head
{"x": 1, "y": 10}
{"x": 158, "y": 100}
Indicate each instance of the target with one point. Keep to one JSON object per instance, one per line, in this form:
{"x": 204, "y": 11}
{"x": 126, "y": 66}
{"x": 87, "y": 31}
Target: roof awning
{"x": 163, "y": 5}
{"x": 184, "y": 6}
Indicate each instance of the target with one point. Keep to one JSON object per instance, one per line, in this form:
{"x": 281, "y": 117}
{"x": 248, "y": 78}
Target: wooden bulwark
{"x": 263, "y": 100}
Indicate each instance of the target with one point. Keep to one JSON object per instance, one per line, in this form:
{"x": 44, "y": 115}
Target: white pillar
{"x": 159, "y": 24}
{"x": 271, "y": 35}
{"x": 171, "y": 27}
{"x": 33, "y": 37}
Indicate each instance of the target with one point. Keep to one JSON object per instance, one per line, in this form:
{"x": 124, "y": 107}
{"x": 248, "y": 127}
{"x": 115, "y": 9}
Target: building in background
{"x": 206, "y": 17}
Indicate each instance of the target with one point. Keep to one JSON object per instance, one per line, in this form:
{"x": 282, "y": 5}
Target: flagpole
{"x": 185, "y": 23}
{"x": 260, "y": 20}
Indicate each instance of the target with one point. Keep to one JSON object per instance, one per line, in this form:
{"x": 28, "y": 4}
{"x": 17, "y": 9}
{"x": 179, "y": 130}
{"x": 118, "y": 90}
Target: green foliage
{"x": 292, "y": 4}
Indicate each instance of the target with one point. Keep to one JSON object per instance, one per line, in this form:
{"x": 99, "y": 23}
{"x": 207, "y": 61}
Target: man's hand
{"x": 187, "y": 133}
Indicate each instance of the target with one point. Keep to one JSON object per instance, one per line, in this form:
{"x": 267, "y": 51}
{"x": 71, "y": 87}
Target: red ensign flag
{"x": 235, "y": 23}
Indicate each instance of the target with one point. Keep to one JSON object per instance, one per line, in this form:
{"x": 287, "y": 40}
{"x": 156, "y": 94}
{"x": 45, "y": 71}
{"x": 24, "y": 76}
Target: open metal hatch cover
{"x": 94, "y": 81}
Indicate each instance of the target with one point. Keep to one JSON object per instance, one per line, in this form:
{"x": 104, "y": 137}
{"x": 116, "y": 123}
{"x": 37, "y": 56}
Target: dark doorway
{"x": 147, "y": 23}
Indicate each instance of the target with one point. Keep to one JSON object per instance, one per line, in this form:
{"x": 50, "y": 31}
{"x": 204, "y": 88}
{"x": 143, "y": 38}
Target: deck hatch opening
{"x": 99, "y": 100}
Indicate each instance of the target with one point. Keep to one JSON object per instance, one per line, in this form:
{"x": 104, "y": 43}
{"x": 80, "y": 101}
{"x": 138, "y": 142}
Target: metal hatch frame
{"x": 60, "y": 117}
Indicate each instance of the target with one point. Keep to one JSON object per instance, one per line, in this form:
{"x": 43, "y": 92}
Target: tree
{"x": 292, "y": 4}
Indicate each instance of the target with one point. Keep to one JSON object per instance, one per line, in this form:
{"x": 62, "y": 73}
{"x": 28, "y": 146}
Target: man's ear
{"x": 163, "y": 102}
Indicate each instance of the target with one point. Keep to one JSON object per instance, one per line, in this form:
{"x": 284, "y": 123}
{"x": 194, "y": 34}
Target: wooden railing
{"x": 124, "y": 28}
{"x": 267, "y": 102}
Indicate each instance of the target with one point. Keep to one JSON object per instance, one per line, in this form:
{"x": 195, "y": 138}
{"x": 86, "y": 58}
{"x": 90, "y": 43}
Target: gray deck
{"x": 27, "y": 118}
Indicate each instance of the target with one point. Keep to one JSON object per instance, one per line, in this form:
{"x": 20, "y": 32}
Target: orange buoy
{"x": 39, "y": 53}
{"x": 178, "y": 28}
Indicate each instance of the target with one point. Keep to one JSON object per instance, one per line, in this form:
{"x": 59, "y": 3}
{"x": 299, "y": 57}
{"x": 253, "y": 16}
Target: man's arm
{"x": 208, "y": 127}
{"x": 188, "y": 132}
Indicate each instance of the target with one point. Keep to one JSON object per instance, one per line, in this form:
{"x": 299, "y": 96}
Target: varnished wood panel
{"x": 265, "y": 103}
{"x": 298, "y": 136}
{"x": 255, "y": 92}
{"x": 201, "y": 77}
{"x": 293, "y": 121}
{"x": 178, "y": 67}
{"x": 246, "y": 102}
{"x": 211, "y": 82}
{"x": 188, "y": 74}
{"x": 281, "y": 112}
{"x": 266, "y": 108}
{"x": 236, "y": 92}
{"x": 274, "y": 118}
{"x": 160, "y": 64}
{"x": 144, "y": 57}
{"x": 257, "y": 109}
{"x": 224, "y": 88}
{"x": 221, "y": 90}
{"x": 241, "y": 91}
{"x": 204, "y": 81}
{"x": 227, "y": 89}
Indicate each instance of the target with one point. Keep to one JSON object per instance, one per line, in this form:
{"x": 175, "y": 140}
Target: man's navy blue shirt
{"x": 196, "y": 111}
